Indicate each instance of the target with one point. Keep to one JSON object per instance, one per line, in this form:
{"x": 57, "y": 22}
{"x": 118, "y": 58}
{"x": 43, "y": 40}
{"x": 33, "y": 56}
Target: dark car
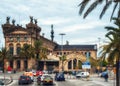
{"x": 1, "y": 83}
{"x": 24, "y": 80}
{"x": 60, "y": 76}
{"x": 39, "y": 80}
{"x": 48, "y": 80}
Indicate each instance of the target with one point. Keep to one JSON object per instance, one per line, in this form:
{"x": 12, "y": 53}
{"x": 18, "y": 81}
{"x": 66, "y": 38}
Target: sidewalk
{"x": 6, "y": 80}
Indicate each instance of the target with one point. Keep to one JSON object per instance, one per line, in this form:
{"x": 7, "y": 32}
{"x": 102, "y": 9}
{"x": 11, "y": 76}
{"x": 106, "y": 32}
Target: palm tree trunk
{"x": 45, "y": 68}
{"x": 3, "y": 66}
{"x": 117, "y": 73}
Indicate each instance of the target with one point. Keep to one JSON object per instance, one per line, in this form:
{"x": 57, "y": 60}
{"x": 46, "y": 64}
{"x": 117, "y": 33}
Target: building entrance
{"x": 49, "y": 65}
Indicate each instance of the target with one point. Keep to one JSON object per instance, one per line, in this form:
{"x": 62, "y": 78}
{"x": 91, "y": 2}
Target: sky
{"x": 63, "y": 14}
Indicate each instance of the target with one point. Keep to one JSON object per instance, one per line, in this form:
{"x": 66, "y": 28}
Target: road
{"x": 70, "y": 81}
{"x": 76, "y": 82}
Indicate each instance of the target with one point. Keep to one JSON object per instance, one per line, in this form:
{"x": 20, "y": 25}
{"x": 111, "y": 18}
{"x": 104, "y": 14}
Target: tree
{"x": 95, "y": 3}
{"x": 37, "y": 50}
{"x": 27, "y": 52}
{"x": 4, "y": 54}
{"x": 93, "y": 62}
{"x": 43, "y": 55}
{"x": 112, "y": 48}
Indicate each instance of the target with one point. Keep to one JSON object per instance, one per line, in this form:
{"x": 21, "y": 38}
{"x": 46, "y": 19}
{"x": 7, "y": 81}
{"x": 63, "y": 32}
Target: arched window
{"x": 18, "y": 49}
{"x": 70, "y": 64}
{"x": 11, "y": 49}
{"x": 74, "y": 63}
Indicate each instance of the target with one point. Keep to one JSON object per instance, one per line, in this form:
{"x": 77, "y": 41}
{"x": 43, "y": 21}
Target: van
{"x": 82, "y": 75}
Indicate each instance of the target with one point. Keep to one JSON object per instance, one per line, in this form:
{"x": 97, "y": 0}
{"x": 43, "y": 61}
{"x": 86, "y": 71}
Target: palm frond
{"x": 83, "y": 5}
{"x": 119, "y": 13}
{"x": 109, "y": 28}
{"x": 91, "y": 8}
{"x": 105, "y": 8}
{"x": 114, "y": 8}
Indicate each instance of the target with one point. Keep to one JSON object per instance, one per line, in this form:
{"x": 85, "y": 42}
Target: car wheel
{"x": 78, "y": 77}
{"x": 19, "y": 83}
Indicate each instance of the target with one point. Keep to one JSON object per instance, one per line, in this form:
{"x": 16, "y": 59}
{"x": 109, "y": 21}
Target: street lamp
{"x": 62, "y": 34}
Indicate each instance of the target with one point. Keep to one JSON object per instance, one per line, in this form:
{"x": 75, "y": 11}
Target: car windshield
{"x": 23, "y": 77}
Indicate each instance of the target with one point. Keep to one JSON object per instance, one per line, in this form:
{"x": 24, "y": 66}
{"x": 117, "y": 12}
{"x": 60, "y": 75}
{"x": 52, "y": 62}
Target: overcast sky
{"x": 63, "y": 14}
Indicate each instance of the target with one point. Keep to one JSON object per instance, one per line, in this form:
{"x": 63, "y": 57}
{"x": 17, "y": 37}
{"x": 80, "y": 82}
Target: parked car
{"x": 60, "y": 76}
{"x": 45, "y": 71}
{"x": 47, "y": 80}
{"x": 43, "y": 76}
{"x": 39, "y": 73}
{"x": 30, "y": 74}
{"x": 82, "y": 75}
{"x": 39, "y": 80}
{"x": 1, "y": 83}
{"x": 34, "y": 72}
{"x": 24, "y": 80}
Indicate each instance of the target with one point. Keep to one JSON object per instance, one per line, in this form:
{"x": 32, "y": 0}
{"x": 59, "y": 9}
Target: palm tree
{"x": 62, "y": 59}
{"x": 93, "y": 62}
{"x": 43, "y": 55}
{"x": 37, "y": 50}
{"x": 27, "y": 52}
{"x": 95, "y": 3}
{"x": 4, "y": 54}
{"x": 112, "y": 49}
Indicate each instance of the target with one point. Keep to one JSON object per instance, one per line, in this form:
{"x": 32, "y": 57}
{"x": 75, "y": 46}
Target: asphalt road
{"x": 70, "y": 81}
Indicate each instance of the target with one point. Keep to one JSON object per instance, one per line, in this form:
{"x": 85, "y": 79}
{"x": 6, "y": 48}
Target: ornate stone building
{"x": 16, "y": 36}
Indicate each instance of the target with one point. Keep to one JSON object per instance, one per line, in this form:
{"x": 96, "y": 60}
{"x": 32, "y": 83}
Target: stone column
{"x": 14, "y": 64}
{"x": 22, "y": 65}
{"x": 72, "y": 64}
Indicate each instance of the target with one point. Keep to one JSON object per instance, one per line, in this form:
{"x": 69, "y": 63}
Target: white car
{"x": 34, "y": 72}
{"x": 82, "y": 75}
{"x": 43, "y": 76}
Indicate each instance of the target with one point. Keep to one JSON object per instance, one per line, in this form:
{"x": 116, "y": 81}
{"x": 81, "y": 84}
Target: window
{"x": 70, "y": 64}
{"x": 64, "y": 53}
{"x": 18, "y": 38}
{"x": 25, "y": 38}
{"x": 18, "y": 49}
{"x": 11, "y": 39}
{"x": 11, "y": 49}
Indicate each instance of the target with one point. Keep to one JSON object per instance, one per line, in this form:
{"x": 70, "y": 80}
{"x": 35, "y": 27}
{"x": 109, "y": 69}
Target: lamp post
{"x": 62, "y": 34}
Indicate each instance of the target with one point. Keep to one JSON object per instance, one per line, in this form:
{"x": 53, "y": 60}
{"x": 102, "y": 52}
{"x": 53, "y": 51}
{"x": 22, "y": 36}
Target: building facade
{"x": 16, "y": 36}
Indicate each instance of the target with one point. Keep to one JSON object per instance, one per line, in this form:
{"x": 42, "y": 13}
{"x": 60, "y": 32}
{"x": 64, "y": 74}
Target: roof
{"x": 76, "y": 47}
